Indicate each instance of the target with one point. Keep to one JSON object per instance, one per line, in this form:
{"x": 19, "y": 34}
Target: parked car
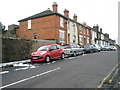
{"x": 98, "y": 47}
{"x": 72, "y": 49}
{"x": 90, "y": 48}
{"x": 112, "y": 48}
{"x": 47, "y": 52}
{"x": 105, "y": 48}
{"x": 101, "y": 46}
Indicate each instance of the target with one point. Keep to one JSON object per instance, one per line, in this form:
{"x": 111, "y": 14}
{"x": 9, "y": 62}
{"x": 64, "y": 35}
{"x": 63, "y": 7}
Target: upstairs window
{"x": 29, "y": 24}
{"x": 61, "y": 22}
{"x": 61, "y": 33}
{"x": 68, "y": 25}
{"x": 80, "y": 29}
{"x": 87, "y": 31}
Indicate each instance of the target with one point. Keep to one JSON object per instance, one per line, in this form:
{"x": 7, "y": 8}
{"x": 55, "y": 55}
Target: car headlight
{"x": 43, "y": 52}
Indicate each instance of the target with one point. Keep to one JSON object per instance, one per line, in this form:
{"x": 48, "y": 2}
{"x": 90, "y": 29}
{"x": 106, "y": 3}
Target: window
{"x": 84, "y": 30}
{"x": 29, "y": 24}
{"x": 87, "y": 40}
{"x": 74, "y": 38}
{"x": 87, "y": 31}
{"x": 35, "y": 35}
{"x": 68, "y": 25}
{"x": 58, "y": 46}
{"x": 61, "y": 22}
{"x": 61, "y": 36}
{"x": 53, "y": 47}
{"x": 81, "y": 42}
{"x": 80, "y": 29}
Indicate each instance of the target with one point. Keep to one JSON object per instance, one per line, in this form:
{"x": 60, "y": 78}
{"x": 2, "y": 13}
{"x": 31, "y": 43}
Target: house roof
{"x": 47, "y": 13}
{"x": 43, "y": 14}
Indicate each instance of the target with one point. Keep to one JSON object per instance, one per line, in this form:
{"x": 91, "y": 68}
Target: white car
{"x": 98, "y": 47}
{"x": 72, "y": 49}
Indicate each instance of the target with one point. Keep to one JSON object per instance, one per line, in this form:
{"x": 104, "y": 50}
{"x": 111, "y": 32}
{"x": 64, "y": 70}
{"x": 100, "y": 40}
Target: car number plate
{"x": 34, "y": 57}
{"x": 65, "y": 51}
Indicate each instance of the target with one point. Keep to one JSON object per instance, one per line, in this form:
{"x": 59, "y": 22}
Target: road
{"x": 84, "y": 71}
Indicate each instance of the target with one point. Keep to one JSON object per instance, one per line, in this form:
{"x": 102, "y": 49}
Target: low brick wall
{"x": 14, "y": 49}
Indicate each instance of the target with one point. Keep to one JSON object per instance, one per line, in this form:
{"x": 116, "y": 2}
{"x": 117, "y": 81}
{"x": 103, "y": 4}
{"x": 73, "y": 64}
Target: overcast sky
{"x": 101, "y": 12}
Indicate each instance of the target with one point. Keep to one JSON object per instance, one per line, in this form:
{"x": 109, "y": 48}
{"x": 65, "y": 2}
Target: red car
{"x": 48, "y": 52}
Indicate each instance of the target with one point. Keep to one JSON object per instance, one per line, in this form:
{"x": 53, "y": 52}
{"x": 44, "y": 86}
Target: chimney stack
{"x": 54, "y": 7}
{"x": 75, "y": 17}
{"x": 96, "y": 28}
{"x": 66, "y": 13}
{"x": 101, "y": 30}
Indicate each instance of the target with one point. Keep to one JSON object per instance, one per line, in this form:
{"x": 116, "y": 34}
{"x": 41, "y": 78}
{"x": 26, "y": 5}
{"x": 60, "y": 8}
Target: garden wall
{"x": 16, "y": 49}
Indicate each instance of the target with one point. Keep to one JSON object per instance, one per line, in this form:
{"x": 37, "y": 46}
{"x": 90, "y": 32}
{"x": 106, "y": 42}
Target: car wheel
{"x": 74, "y": 54}
{"x": 47, "y": 59}
{"x": 62, "y": 56}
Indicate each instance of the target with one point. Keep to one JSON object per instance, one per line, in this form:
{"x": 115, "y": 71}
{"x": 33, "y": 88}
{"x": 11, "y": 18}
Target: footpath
{"x": 2, "y": 65}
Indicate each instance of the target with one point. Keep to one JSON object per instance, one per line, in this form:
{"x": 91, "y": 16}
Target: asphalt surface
{"x": 83, "y": 71}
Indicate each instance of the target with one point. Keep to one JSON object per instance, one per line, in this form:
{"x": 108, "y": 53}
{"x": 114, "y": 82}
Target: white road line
{"x": 71, "y": 58}
{"x": 30, "y": 78}
{"x": 4, "y": 72}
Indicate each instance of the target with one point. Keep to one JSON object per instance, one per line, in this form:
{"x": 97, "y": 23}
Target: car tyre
{"x": 62, "y": 56}
{"x": 74, "y": 54}
{"x": 47, "y": 59}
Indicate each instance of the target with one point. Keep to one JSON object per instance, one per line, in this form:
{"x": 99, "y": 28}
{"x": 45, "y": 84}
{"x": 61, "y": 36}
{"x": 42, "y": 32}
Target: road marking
{"x": 30, "y": 78}
{"x": 104, "y": 80}
{"x": 71, "y": 58}
{"x": 4, "y": 72}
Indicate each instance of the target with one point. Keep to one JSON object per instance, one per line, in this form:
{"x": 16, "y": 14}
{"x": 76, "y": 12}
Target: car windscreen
{"x": 43, "y": 48}
{"x": 66, "y": 46}
{"x": 87, "y": 46}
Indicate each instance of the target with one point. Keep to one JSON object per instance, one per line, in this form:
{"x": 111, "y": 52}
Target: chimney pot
{"x": 54, "y": 7}
{"x": 75, "y": 17}
{"x": 66, "y": 13}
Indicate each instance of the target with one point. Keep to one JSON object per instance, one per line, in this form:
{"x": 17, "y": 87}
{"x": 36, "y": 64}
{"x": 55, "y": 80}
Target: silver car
{"x": 72, "y": 49}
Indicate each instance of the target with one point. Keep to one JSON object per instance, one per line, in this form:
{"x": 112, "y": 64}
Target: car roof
{"x": 50, "y": 44}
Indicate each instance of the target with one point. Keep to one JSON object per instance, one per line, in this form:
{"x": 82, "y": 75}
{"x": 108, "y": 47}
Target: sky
{"x": 101, "y": 12}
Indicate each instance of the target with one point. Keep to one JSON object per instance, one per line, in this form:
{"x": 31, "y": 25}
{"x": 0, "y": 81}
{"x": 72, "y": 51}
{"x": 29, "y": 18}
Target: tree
{"x": 2, "y": 27}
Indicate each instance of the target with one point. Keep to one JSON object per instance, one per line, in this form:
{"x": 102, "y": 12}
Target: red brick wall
{"x": 46, "y": 28}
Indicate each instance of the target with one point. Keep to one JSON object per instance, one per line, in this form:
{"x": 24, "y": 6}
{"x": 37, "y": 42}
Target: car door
{"x": 79, "y": 49}
{"x": 58, "y": 51}
{"x": 53, "y": 52}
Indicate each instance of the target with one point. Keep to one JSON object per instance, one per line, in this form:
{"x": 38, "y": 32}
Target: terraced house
{"x": 51, "y": 25}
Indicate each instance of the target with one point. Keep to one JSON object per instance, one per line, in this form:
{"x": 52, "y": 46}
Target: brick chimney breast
{"x": 75, "y": 17}
{"x": 66, "y": 13}
{"x": 54, "y": 7}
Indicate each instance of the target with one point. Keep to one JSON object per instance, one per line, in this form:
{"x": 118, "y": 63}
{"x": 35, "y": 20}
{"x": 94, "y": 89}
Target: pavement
{"x": 2, "y": 65}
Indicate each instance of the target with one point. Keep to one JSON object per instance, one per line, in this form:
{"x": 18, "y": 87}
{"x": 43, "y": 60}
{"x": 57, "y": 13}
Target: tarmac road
{"x": 83, "y": 71}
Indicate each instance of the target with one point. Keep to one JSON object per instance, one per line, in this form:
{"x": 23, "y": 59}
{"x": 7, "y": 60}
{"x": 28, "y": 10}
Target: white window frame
{"x": 61, "y": 22}
{"x": 81, "y": 39}
{"x": 29, "y": 24}
{"x": 62, "y": 37}
{"x": 87, "y": 31}
{"x": 80, "y": 29}
{"x": 68, "y": 25}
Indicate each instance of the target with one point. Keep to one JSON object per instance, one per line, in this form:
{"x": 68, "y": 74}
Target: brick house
{"x": 53, "y": 26}
{"x": 49, "y": 25}
{"x": 45, "y": 25}
{"x": 85, "y": 35}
